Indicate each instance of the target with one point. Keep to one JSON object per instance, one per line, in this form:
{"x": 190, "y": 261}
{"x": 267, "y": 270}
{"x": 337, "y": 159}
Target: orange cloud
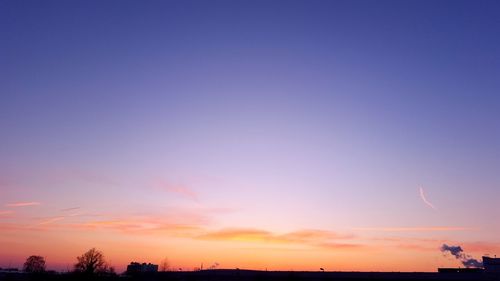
{"x": 238, "y": 234}
{"x": 417, "y": 247}
{"x": 314, "y": 234}
{"x": 145, "y": 225}
{"x": 310, "y": 237}
{"x": 12, "y": 227}
{"x": 176, "y": 222}
{"x": 336, "y": 246}
{"x": 22, "y": 204}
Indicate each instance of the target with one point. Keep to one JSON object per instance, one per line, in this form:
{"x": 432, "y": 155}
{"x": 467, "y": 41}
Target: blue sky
{"x": 285, "y": 114}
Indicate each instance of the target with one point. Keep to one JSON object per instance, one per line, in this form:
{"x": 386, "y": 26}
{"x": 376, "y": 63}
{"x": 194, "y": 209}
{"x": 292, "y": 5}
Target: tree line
{"x": 91, "y": 262}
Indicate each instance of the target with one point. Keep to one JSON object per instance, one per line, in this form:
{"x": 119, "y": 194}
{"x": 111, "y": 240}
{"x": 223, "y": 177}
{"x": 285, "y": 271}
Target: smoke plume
{"x": 459, "y": 254}
{"x": 214, "y": 266}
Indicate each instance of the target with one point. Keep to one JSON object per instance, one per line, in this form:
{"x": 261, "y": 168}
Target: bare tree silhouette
{"x": 91, "y": 262}
{"x": 165, "y": 266}
{"x": 34, "y": 264}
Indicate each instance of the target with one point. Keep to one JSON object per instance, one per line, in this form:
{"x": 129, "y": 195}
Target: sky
{"x": 280, "y": 135}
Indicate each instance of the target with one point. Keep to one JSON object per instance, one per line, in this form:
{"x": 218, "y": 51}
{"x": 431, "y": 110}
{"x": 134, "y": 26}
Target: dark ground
{"x": 251, "y": 275}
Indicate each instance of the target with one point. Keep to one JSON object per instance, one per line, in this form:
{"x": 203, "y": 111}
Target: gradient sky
{"x": 348, "y": 135}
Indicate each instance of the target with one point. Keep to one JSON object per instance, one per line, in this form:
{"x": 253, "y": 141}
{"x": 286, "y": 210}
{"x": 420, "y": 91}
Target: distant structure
{"x": 491, "y": 265}
{"x": 460, "y": 270}
{"x": 9, "y": 269}
{"x": 136, "y": 267}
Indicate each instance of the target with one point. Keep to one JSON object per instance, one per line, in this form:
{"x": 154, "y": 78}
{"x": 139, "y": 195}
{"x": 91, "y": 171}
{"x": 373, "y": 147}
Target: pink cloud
{"x": 22, "y": 204}
{"x": 12, "y": 227}
{"x": 414, "y": 229}
{"x": 70, "y": 209}
{"x": 179, "y": 189}
{"x": 141, "y": 226}
{"x": 5, "y": 213}
{"x": 173, "y": 221}
{"x": 483, "y": 247}
{"x": 432, "y": 244}
{"x": 50, "y": 220}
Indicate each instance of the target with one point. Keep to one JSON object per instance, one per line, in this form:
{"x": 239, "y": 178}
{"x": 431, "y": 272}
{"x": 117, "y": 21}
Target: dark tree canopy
{"x": 34, "y": 264}
{"x": 91, "y": 262}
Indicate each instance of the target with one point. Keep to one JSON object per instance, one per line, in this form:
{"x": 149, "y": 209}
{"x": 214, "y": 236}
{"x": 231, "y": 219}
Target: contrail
{"x": 422, "y": 195}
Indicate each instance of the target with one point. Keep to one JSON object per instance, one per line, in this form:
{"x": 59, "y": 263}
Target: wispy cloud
{"x": 482, "y": 247}
{"x": 416, "y": 247}
{"x": 51, "y": 220}
{"x": 337, "y": 246}
{"x": 70, "y": 209}
{"x": 413, "y": 229}
{"x": 238, "y": 234}
{"x": 71, "y": 212}
{"x": 13, "y": 227}
{"x": 5, "y": 213}
{"x": 188, "y": 223}
{"x": 179, "y": 189}
{"x": 82, "y": 175}
{"x": 22, "y": 204}
{"x": 424, "y": 199}
{"x": 314, "y": 235}
{"x": 142, "y": 226}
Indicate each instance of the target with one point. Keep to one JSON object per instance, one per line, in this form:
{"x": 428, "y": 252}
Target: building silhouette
{"x": 136, "y": 267}
{"x": 491, "y": 265}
